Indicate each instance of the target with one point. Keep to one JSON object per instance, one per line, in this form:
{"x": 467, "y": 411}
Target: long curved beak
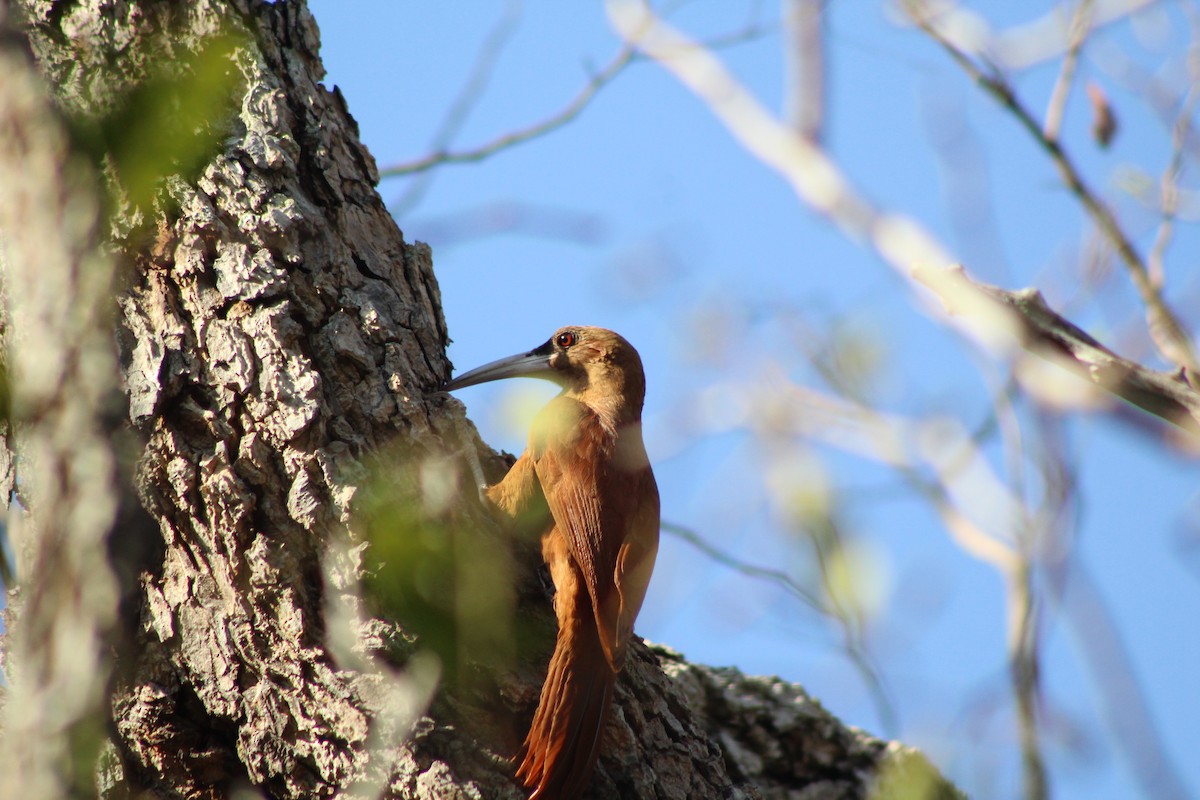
{"x": 534, "y": 364}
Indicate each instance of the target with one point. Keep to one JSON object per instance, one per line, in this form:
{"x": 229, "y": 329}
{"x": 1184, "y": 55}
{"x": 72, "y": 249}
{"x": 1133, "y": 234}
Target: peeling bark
{"x": 278, "y": 341}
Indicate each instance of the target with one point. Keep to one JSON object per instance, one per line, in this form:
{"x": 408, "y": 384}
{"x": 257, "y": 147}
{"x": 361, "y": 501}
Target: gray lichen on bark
{"x": 279, "y": 340}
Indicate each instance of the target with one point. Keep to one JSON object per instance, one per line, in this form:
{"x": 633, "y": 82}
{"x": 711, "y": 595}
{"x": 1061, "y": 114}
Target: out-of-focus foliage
{"x": 435, "y": 569}
{"x": 171, "y": 123}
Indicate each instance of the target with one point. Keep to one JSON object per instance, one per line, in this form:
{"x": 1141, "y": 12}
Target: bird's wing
{"x": 606, "y": 505}
{"x": 518, "y": 489}
{"x": 635, "y": 560}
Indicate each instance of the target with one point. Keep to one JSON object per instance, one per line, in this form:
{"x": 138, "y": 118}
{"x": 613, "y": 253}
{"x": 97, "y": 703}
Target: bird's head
{"x": 589, "y": 363}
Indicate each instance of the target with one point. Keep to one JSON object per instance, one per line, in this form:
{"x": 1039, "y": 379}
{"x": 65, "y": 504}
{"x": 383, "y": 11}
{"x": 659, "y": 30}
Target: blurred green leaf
{"x": 440, "y": 572}
{"x": 905, "y": 774}
{"x": 171, "y": 123}
{"x": 853, "y": 358}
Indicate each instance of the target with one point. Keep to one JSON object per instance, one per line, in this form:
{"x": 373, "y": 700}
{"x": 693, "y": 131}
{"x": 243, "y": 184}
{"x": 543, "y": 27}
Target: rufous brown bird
{"x": 586, "y": 458}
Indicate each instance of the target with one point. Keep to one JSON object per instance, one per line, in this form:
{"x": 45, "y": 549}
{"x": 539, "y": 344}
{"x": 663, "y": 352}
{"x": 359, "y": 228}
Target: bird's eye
{"x": 565, "y": 339}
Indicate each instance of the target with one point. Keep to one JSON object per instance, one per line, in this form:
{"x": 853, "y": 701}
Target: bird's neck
{"x": 617, "y": 402}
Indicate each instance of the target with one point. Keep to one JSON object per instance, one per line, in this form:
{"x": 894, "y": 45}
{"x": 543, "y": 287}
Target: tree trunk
{"x": 280, "y": 349}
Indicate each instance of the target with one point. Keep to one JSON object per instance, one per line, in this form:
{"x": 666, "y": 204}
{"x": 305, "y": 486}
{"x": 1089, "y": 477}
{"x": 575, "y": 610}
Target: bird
{"x": 599, "y": 537}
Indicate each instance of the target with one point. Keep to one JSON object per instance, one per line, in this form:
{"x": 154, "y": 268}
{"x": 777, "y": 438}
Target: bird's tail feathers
{"x": 563, "y": 743}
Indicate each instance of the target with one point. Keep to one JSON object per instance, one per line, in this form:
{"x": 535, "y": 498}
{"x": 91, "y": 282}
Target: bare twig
{"x": 1122, "y": 702}
{"x": 1181, "y": 131}
{"x": 1169, "y": 335}
{"x": 625, "y": 56}
{"x": 940, "y": 476}
{"x": 1080, "y": 27}
{"x": 814, "y": 176}
{"x": 568, "y": 113}
{"x": 452, "y": 122}
{"x": 1169, "y": 183}
{"x": 1024, "y": 619}
{"x": 826, "y": 540}
{"x": 1016, "y": 317}
{"x": 1044, "y": 38}
{"x": 852, "y": 644}
{"x": 1023, "y": 665}
{"x": 805, "y": 58}
{"x": 775, "y": 576}
{"x": 1073, "y": 593}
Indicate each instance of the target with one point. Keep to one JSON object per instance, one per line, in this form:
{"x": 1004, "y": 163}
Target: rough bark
{"x": 279, "y": 342}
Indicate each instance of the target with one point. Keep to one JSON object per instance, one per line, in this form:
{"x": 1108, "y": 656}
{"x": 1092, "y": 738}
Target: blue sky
{"x": 645, "y": 216}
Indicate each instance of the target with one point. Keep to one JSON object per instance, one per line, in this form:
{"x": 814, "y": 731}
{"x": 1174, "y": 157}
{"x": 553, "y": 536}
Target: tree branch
{"x": 853, "y": 646}
{"x": 1080, "y": 27}
{"x": 1173, "y": 342}
{"x": 1043, "y": 332}
{"x": 627, "y": 55}
{"x": 806, "y": 67}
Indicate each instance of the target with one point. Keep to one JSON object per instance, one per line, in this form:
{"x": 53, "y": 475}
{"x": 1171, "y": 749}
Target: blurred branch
{"x": 805, "y": 58}
{"x": 948, "y": 468}
{"x": 852, "y": 644}
{"x": 1173, "y": 342}
{"x": 1156, "y": 92}
{"x": 625, "y": 56}
{"x": 934, "y": 452}
{"x": 1169, "y": 184}
{"x": 1181, "y": 131}
{"x": 1029, "y": 43}
{"x": 1024, "y": 658}
{"x": 1024, "y": 621}
{"x": 814, "y": 176}
{"x": 1122, "y": 701}
{"x": 1044, "y": 333}
{"x": 985, "y": 311}
{"x": 1080, "y": 27}
{"x": 945, "y": 467}
{"x": 828, "y": 547}
{"x": 985, "y": 518}
{"x": 1074, "y": 594}
{"x": 522, "y": 135}
{"x": 775, "y": 576}
{"x": 1169, "y": 335}
{"x": 481, "y": 71}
